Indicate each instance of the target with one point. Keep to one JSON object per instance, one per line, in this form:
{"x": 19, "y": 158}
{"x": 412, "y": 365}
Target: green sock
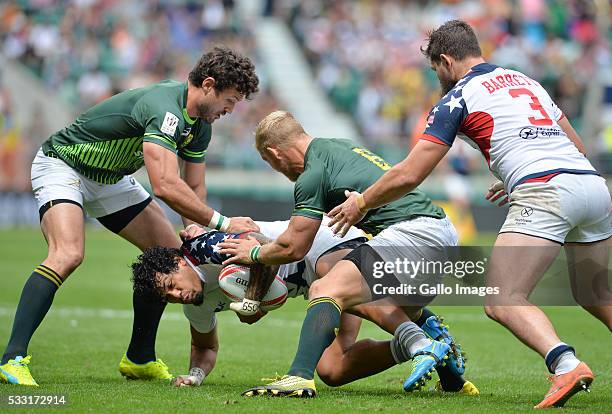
{"x": 35, "y": 301}
{"x": 318, "y": 332}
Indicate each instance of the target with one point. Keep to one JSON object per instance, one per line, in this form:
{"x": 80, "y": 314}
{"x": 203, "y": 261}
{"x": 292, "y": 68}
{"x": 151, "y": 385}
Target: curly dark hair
{"x": 454, "y": 38}
{"x": 151, "y": 262}
{"x": 228, "y": 69}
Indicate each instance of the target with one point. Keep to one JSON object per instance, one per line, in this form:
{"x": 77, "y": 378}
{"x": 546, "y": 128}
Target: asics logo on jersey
{"x": 139, "y": 154}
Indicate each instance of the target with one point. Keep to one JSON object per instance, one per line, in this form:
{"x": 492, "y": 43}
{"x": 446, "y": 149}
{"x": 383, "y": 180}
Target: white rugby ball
{"x": 233, "y": 282}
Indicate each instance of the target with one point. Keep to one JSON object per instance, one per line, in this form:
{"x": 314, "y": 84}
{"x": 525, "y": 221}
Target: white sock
{"x": 565, "y": 363}
{"x": 407, "y": 340}
{"x": 418, "y": 345}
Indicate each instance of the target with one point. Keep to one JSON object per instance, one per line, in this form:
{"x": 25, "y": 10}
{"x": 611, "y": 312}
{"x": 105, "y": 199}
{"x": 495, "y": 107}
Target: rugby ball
{"x": 233, "y": 282}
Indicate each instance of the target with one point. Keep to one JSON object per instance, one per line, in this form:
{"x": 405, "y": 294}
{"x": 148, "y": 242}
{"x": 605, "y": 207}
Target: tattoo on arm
{"x": 261, "y": 278}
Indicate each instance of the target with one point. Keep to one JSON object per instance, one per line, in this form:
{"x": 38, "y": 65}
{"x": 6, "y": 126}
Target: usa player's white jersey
{"x": 512, "y": 120}
{"x": 297, "y": 275}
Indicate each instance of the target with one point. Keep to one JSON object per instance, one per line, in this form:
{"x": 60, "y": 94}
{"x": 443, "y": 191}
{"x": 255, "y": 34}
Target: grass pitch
{"x": 77, "y": 349}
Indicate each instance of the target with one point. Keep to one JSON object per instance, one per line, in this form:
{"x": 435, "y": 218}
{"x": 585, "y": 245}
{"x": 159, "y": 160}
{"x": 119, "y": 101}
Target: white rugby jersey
{"x": 297, "y": 275}
{"x": 512, "y": 120}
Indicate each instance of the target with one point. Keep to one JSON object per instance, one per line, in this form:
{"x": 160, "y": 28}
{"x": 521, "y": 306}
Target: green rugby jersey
{"x": 105, "y": 142}
{"x": 332, "y": 166}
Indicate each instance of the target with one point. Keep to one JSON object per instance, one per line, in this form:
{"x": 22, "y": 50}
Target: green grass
{"x": 77, "y": 349}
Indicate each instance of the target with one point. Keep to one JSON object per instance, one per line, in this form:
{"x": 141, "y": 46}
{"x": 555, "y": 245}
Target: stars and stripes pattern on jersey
{"x": 205, "y": 249}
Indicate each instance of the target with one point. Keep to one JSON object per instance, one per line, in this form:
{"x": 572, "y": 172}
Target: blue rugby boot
{"x": 424, "y": 362}
{"x": 435, "y": 327}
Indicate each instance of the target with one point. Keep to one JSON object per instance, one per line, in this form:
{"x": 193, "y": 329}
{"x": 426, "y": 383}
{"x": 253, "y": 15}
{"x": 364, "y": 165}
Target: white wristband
{"x": 224, "y": 227}
{"x": 197, "y": 375}
{"x": 219, "y": 222}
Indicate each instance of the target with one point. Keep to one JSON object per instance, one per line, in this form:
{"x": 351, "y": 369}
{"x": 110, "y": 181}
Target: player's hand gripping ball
{"x": 233, "y": 282}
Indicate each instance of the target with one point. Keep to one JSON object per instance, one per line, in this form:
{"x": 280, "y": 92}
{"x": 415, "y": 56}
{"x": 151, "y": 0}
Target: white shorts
{"x": 53, "y": 179}
{"x": 568, "y": 208}
{"x": 424, "y": 238}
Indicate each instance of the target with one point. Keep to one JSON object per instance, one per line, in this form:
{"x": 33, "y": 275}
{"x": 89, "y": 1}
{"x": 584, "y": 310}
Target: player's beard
{"x": 199, "y": 297}
{"x": 447, "y": 85}
{"x": 205, "y": 113}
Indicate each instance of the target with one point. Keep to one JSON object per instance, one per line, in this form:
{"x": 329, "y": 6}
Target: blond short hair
{"x": 277, "y": 129}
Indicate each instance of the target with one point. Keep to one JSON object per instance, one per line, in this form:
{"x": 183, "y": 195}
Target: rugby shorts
{"x": 568, "y": 208}
{"x": 53, "y": 179}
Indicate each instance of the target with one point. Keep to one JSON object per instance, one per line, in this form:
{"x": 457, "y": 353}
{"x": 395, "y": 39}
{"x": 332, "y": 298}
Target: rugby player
{"x": 412, "y": 228}
{"x": 556, "y": 196}
{"x": 87, "y": 166}
{"x": 190, "y": 276}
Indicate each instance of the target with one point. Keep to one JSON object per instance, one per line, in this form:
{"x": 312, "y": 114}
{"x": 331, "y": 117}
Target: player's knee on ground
{"x": 336, "y": 369}
{"x": 330, "y": 378}
{"x": 330, "y": 366}
{"x": 332, "y": 372}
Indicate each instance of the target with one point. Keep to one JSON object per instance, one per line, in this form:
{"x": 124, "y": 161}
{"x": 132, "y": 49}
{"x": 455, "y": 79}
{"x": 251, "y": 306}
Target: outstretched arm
{"x": 194, "y": 174}
{"x": 204, "y": 349}
{"x": 395, "y": 183}
{"x": 162, "y": 168}
{"x": 289, "y": 247}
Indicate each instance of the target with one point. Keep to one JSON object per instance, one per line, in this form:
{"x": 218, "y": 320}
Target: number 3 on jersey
{"x": 535, "y": 105}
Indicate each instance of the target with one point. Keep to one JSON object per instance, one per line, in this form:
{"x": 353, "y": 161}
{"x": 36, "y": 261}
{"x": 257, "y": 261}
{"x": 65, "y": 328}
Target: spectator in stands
{"x": 89, "y": 50}
{"x": 364, "y": 53}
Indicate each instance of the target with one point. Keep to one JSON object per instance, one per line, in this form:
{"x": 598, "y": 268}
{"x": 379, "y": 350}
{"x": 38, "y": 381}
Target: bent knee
{"x": 493, "y": 312}
{"x": 499, "y": 313}
{"x": 332, "y": 381}
{"x": 65, "y": 263}
{"x": 345, "y": 294}
{"x": 317, "y": 289}
{"x": 331, "y": 377}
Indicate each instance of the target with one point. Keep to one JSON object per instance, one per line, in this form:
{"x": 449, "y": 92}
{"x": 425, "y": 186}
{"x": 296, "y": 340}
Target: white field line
{"x": 278, "y": 320}
{"x": 107, "y": 313}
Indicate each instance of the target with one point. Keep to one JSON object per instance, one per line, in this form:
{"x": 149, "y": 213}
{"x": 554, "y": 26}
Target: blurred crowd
{"x": 364, "y": 53}
{"x": 87, "y": 50}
